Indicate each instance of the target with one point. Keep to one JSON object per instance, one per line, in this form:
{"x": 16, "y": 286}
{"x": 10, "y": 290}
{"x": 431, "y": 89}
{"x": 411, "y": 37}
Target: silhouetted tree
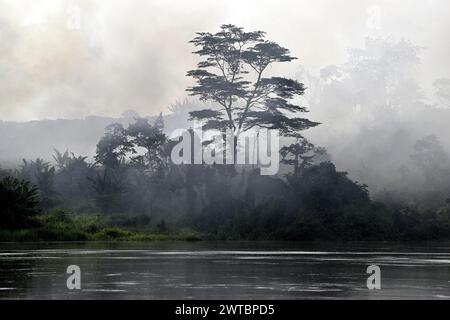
{"x": 41, "y": 174}
{"x": 323, "y": 189}
{"x": 232, "y": 76}
{"x": 110, "y": 185}
{"x": 299, "y": 155}
{"x": 113, "y": 146}
{"x": 72, "y": 175}
{"x": 152, "y": 139}
{"x": 19, "y": 202}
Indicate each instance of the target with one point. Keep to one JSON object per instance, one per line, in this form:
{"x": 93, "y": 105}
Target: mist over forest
{"x": 373, "y": 112}
{"x": 365, "y": 152}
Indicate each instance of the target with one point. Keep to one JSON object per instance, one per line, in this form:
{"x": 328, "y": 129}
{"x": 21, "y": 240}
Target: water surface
{"x": 225, "y": 270}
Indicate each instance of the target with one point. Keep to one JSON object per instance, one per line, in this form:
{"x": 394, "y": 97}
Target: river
{"x": 225, "y": 270}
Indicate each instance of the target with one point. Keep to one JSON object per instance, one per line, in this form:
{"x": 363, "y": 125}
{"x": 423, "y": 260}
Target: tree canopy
{"x": 231, "y": 75}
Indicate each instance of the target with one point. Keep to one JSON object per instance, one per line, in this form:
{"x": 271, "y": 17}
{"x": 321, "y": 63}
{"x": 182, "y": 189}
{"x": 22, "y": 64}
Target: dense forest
{"x": 132, "y": 190}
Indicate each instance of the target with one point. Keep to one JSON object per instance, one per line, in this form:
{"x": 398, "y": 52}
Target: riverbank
{"x": 107, "y": 234}
{"x": 60, "y": 226}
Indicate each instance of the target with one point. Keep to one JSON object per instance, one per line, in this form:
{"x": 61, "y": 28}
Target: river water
{"x": 225, "y": 270}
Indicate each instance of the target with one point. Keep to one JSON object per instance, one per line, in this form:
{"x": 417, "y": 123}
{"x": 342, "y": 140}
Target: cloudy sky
{"x": 72, "y": 58}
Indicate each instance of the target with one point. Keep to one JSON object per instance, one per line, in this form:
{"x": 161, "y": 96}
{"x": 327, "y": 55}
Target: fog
{"x": 375, "y": 72}
{"x": 70, "y": 59}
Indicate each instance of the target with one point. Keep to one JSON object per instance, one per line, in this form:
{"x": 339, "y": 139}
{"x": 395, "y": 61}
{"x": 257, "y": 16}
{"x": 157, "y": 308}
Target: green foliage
{"x": 320, "y": 204}
{"x": 111, "y": 234}
{"x": 141, "y": 196}
{"x": 323, "y": 189}
{"x": 19, "y": 202}
{"x": 109, "y": 187}
{"x": 59, "y": 225}
{"x": 41, "y": 174}
{"x": 18, "y": 235}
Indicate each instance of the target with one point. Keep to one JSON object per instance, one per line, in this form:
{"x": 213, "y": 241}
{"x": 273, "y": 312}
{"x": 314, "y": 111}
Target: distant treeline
{"x": 134, "y": 186}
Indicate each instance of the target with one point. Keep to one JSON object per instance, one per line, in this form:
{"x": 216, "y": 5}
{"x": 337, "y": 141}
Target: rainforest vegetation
{"x": 133, "y": 191}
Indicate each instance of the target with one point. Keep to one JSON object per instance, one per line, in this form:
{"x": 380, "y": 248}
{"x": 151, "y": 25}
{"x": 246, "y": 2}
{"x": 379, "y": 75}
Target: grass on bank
{"x": 60, "y": 226}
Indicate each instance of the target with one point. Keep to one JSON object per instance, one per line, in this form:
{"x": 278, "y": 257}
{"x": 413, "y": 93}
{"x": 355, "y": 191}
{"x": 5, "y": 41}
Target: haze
{"x": 70, "y": 59}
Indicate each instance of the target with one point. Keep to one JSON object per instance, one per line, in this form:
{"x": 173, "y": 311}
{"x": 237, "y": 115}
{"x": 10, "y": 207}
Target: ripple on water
{"x": 104, "y": 290}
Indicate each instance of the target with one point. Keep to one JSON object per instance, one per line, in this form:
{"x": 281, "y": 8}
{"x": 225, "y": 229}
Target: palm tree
{"x": 18, "y": 203}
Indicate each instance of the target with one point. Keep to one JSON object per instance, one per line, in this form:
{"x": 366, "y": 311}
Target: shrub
{"x": 19, "y": 203}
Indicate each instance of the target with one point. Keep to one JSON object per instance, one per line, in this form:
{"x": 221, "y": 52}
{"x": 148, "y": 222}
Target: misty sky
{"x": 69, "y": 59}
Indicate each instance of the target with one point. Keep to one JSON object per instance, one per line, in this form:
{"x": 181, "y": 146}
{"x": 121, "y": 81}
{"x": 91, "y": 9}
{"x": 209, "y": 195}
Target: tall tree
{"x": 41, "y": 174}
{"x": 299, "y": 155}
{"x": 113, "y": 146}
{"x": 152, "y": 139}
{"x": 231, "y": 75}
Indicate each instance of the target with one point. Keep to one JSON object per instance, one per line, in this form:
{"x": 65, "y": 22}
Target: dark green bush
{"x": 19, "y": 203}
